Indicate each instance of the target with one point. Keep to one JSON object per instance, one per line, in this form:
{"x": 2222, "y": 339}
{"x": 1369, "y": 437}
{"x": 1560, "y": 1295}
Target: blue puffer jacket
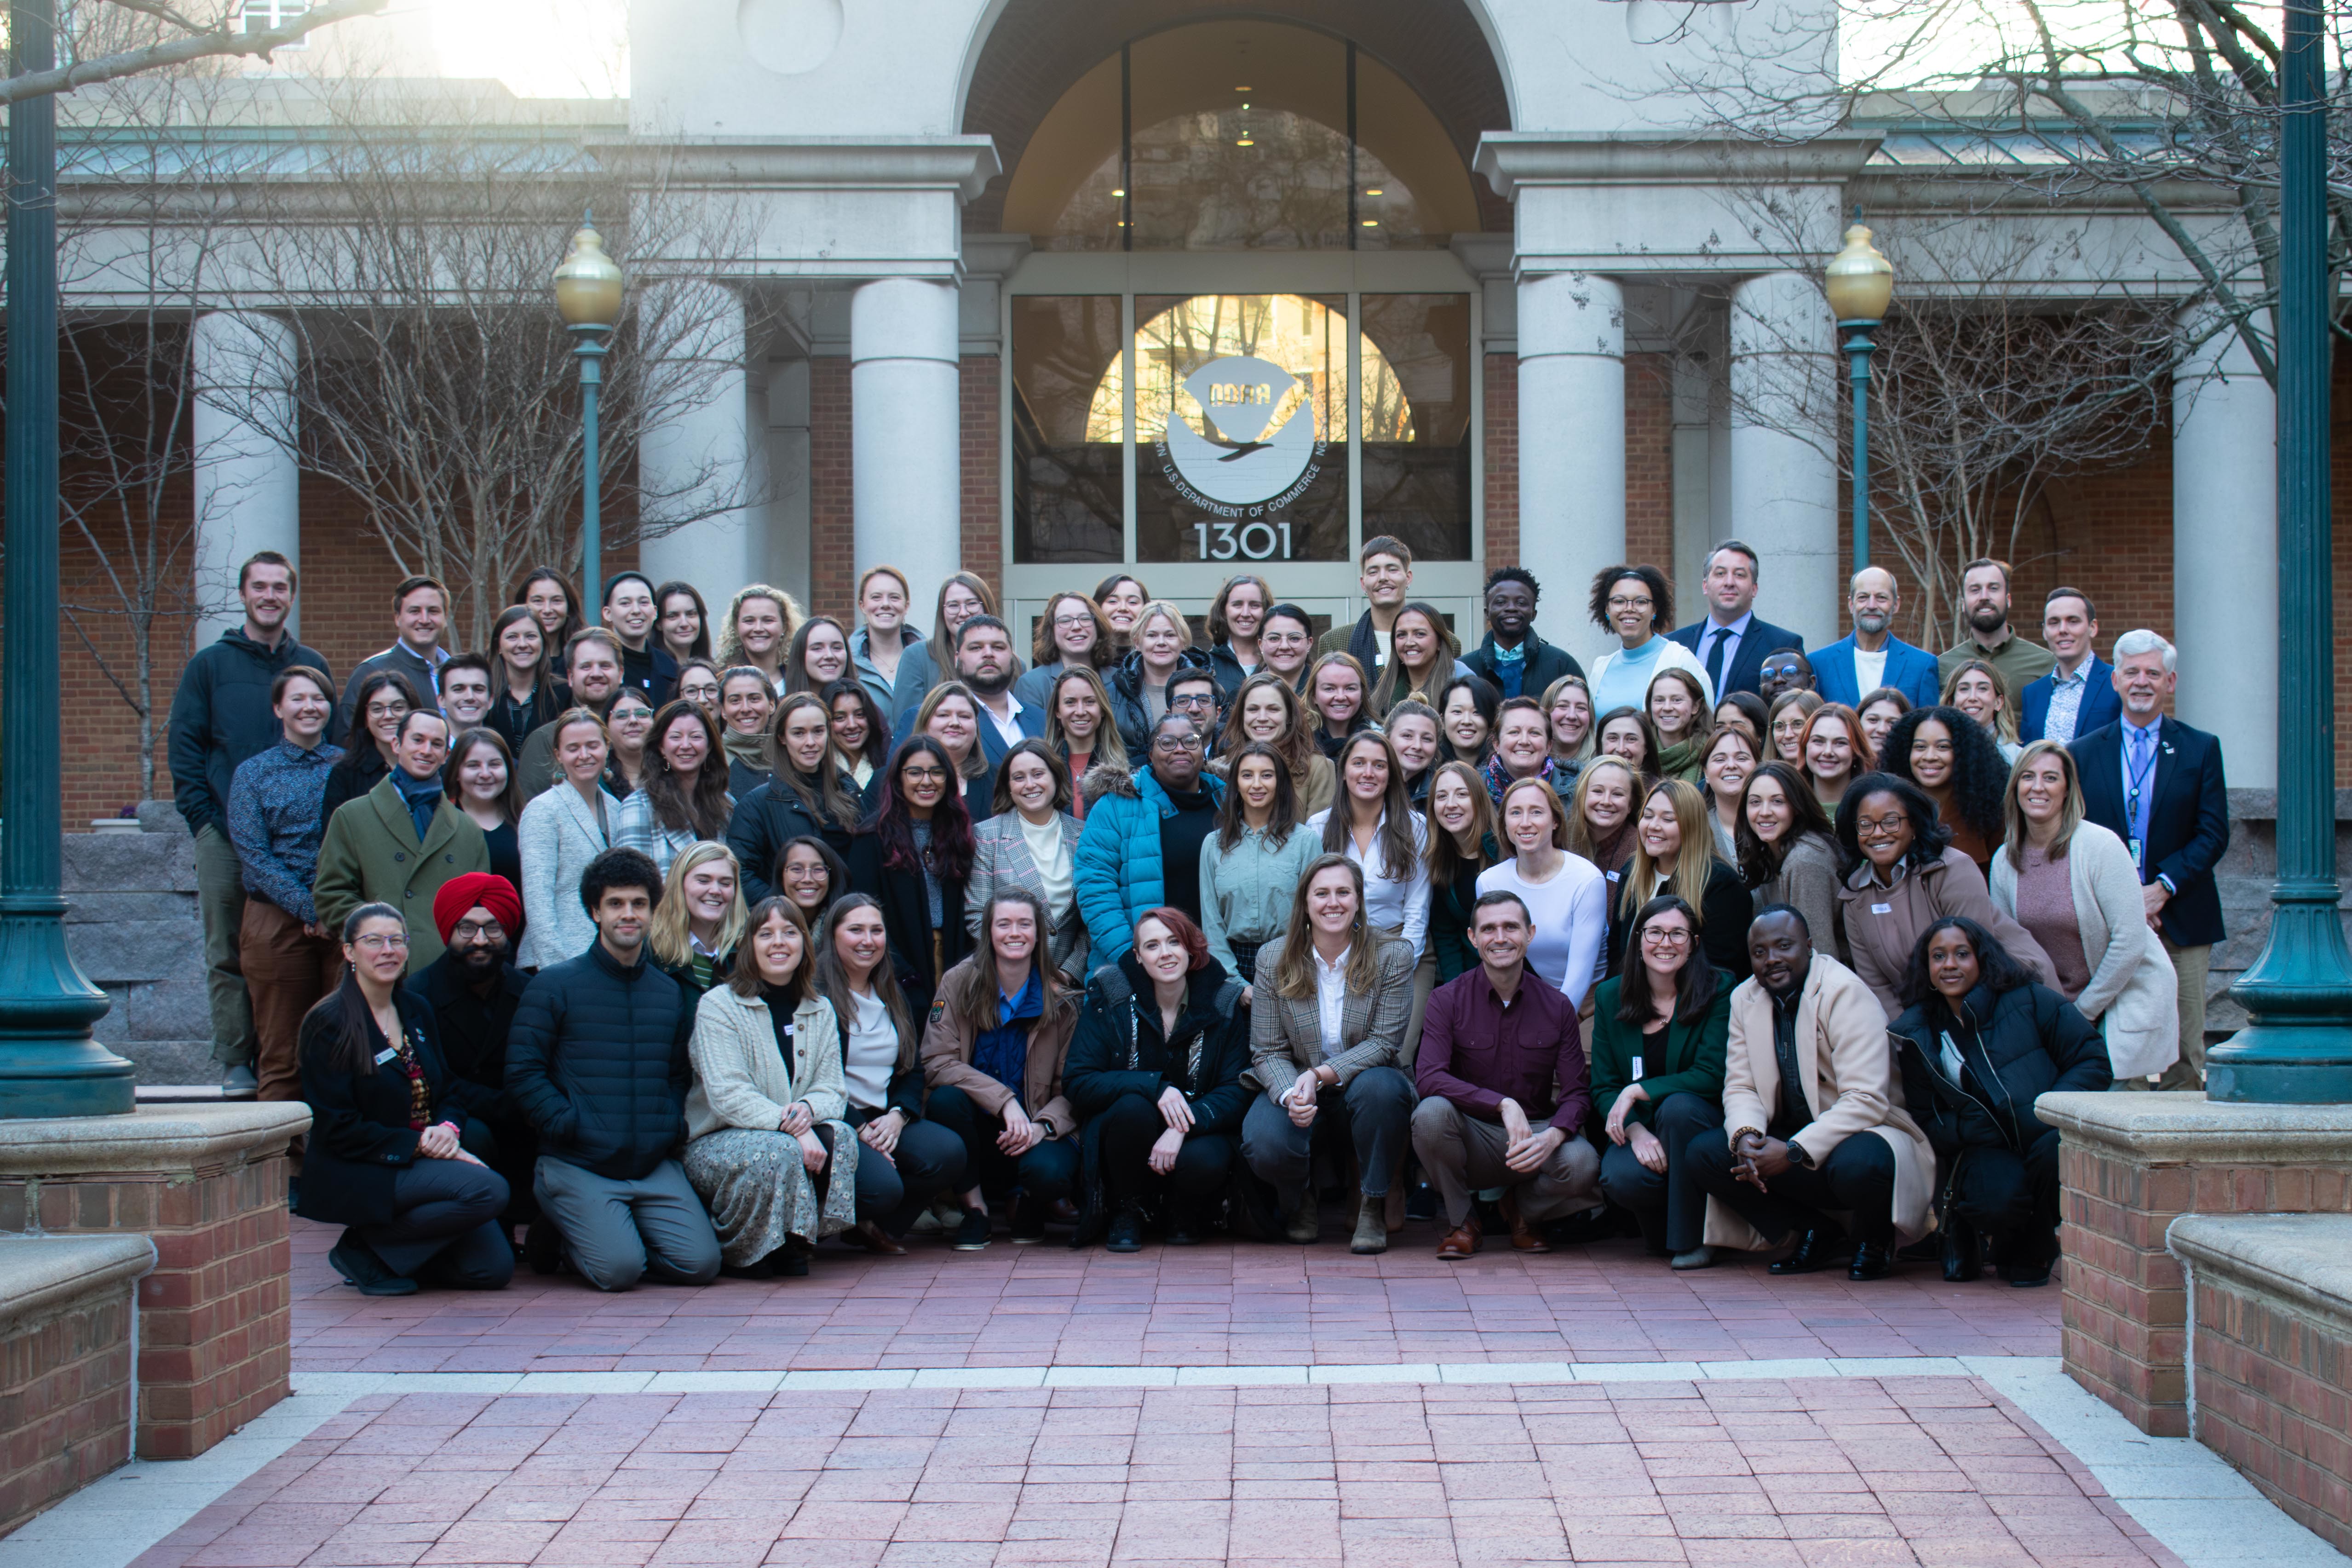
{"x": 1116, "y": 871}
{"x": 596, "y": 1057}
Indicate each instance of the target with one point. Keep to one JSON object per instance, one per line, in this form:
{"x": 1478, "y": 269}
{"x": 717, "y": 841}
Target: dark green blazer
{"x": 1689, "y": 1062}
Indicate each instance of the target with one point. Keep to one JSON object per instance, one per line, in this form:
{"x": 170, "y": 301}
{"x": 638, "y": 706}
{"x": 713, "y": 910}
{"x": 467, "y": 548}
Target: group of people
{"x": 644, "y": 962}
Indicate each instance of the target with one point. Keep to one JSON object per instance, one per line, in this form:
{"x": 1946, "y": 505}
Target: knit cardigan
{"x": 2132, "y": 992}
{"x": 740, "y": 1078}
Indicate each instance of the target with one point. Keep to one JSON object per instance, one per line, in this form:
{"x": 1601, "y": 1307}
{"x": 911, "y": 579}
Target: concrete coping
{"x": 2183, "y": 1125}
{"x": 152, "y": 1138}
{"x": 40, "y": 1272}
{"x": 2304, "y": 1257}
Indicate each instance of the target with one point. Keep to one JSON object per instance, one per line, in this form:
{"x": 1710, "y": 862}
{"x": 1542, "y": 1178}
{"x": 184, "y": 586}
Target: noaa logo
{"x": 1239, "y": 465}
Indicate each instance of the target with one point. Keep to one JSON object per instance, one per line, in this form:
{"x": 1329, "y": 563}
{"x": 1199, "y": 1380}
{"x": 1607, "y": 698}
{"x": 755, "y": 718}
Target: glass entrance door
{"x": 1187, "y": 417}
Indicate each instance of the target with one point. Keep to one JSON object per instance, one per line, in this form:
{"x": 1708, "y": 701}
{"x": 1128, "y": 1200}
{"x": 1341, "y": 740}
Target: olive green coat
{"x": 371, "y": 856}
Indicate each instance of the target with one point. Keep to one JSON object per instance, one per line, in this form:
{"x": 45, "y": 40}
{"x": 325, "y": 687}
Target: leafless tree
{"x": 433, "y": 379}
{"x": 2164, "y": 109}
{"x": 109, "y": 40}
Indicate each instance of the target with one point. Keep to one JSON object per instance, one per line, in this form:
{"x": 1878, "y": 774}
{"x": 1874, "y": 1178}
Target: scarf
{"x": 1611, "y": 853}
{"x": 1498, "y": 778}
{"x": 1365, "y": 644}
{"x": 751, "y": 750}
{"x": 421, "y": 796}
{"x": 1680, "y": 760}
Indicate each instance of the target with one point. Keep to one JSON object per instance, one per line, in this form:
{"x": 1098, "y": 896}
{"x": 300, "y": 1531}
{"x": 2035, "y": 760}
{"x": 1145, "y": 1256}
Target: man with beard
{"x": 985, "y": 661}
{"x": 593, "y": 659}
{"x": 1874, "y": 657}
{"x": 1984, "y": 595}
{"x": 472, "y": 989}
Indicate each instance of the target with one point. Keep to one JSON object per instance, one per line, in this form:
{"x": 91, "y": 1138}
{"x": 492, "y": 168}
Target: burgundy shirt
{"x": 1476, "y": 1052}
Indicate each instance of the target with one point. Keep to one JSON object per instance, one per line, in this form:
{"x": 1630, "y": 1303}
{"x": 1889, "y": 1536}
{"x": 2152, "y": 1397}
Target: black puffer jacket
{"x": 597, "y": 1059}
{"x": 1127, "y": 706}
{"x": 2017, "y": 1046}
{"x": 768, "y": 819}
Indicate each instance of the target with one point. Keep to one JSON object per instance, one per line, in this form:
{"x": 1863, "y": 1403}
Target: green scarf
{"x": 751, "y": 750}
{"x": 1684, "y": 760}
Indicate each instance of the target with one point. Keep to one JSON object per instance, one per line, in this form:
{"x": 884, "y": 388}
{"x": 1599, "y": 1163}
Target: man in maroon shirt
{"x": 1504, "y": 1091}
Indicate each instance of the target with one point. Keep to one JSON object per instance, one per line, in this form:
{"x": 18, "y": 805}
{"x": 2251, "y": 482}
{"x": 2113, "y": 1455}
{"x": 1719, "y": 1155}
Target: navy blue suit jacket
{"x": 2101, "y": 707}
{"x": 1910, "y": 670}
{"x": 2188, "y": 820}
{"x": 1748, "y": 660}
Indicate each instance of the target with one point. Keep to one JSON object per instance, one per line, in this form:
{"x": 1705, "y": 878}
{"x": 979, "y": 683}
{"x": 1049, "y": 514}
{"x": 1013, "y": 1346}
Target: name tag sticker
{"x": 1882, "y": 909}
{"x": 1638, "y": 1074}
{"x": 1610, "y": 875}
{"x": 386, "y": 1054}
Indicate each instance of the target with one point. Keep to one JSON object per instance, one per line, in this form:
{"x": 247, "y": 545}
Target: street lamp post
{"x": 49, "y": 1066}
{"x": 1860, "y": 283}
{"x": 2296, "y": 1047}
{"x": 588, "y": 298}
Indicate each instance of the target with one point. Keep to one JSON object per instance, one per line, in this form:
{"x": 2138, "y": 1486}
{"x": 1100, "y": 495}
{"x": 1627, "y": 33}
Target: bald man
{"x": 1853, "y": 667}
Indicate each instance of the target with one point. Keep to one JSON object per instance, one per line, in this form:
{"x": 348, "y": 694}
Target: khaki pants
{"x": 2192, "y": 969}
{"x": 285, "y": 972}
{"x": 220, "y": 902}
{"x": 1464, "y": 1155}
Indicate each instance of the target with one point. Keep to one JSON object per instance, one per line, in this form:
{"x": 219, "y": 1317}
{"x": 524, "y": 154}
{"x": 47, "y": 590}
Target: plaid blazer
{"x": 1001, "y": 859}
{"x": 1286, "y": 1032}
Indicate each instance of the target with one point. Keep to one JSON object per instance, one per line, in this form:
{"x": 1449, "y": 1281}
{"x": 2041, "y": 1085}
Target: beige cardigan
{"x": 2132, "y": 994}
{"x": 1844, "y": 1049}
{"x": 739, "y": 1080}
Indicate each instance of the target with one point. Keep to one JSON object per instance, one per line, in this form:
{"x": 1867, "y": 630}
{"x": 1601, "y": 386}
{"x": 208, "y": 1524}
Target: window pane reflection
{"x": 1067, "y": 487}
{"x": 1417, "y": 422}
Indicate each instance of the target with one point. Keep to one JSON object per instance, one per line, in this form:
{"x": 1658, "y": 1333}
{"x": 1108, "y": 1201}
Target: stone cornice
{"x": 2171, "y": 1128}
{"x": 38, "y": 1273}
{"x": 1509, "y": 159}
{"x": 2299, "y": 1258}
{"x": 155, "y": 1139}
{"x": 964, "y": 163}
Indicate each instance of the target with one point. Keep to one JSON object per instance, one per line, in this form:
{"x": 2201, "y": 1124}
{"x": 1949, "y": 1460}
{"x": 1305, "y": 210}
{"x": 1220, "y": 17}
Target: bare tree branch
{"x": 224, "y": 41}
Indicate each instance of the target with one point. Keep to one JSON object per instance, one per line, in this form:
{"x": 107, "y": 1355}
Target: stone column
{"x": 1571, "y": 440}
{"x": 247, "y": 483}
{"x": 906, "y": 434}
{"x": 1784, "y": 463}
{"x": 693, "y": 461}
{"x": 2225, "y": 554}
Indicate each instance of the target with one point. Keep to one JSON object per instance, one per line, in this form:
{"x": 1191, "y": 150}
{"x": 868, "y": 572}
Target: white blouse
{"x": 1053, "y": 859}
{"x": 1400, "y": 904}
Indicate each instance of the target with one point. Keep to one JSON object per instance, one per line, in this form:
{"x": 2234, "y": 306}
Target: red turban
{"x": 460, "y": 894}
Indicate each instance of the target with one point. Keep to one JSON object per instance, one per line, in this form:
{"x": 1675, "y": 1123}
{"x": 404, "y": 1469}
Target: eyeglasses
{"x": 1193, "y": 699}
{"x": 1177, "y": 743}
{"x": 375, "y": 943}
{"x": 1665, "y": 936}
{"x": 1624, "y": 603}
{"x": 477, "y": 930}
{"x": 1893, "y": 824}
{"x": 1072, "y": 622}
{"x": 923, "y": 775}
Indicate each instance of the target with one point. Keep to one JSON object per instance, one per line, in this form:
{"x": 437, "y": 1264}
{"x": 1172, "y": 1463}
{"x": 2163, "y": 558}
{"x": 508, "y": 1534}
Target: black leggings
{"x": 1125, "y": 1134}
{"x": 893, "y": 1192}
{"x": 445, "y": 1230}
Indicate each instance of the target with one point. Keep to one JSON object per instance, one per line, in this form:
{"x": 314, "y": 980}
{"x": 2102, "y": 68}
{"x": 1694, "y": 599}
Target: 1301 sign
{"x": 1248, "y": 541}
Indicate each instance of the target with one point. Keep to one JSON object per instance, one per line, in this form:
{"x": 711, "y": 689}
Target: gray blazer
{"x": 1286, "y": 1033}
{"x": 559, "y": 834}
{"x": 1001, "y": 859}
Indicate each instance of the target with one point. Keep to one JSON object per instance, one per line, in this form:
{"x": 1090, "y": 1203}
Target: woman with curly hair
{"x": 1954, "y": 759}
{"x": 759, "y": 626}
{"x": 684, "y": 798}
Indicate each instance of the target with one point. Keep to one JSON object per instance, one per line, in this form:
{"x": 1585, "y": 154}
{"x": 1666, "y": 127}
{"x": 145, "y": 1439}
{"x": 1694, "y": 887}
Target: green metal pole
{"x": 1857, "y": 356}
{"x": 591, "y": 537}
{"x": 2298, "y": 1049}
{"x": 49, "y": 1066}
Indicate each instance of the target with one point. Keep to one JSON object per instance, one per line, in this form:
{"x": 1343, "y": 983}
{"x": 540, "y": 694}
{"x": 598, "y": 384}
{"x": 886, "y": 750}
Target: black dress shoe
{"x": 356, "y": 1261}
{"x": 2030, "y": 1261}
{"x": 1126, "y": 1231}
{"x": 1871, "y": 1261}
{"x": 1962, "y": 1252}
{"x": 1816, "y": 1250}
{"x": 1184, "y": 1225}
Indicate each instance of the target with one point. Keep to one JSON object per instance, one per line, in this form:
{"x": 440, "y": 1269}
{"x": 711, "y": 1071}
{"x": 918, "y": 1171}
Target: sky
{"x": 540, "y": 48}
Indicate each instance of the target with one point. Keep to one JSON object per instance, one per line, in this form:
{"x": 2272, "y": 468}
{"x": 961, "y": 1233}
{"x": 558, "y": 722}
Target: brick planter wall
{"x": 64, "y": 1366}
{"x": 2131, "y": 1164}
{"x": 2273, "y": 1357}
{"x": 208, "y": 1184}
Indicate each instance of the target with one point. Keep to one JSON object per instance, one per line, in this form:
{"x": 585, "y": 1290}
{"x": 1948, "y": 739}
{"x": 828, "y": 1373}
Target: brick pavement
{"x": 1762, "y": 1474}
{"x": 1208, "y": 1306}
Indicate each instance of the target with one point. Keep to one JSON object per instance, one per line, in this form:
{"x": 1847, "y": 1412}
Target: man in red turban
{"x": 473, "y": 988}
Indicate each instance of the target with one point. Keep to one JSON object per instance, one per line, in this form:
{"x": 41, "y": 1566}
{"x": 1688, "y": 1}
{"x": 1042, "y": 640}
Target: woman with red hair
{"x": 1155, "y": 1073}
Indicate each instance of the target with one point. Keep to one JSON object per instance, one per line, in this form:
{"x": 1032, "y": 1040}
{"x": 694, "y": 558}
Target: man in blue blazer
{"x": 1730, "y": 641}
{"x": 1873, "y": 651}
{"x": 983, "y": 662}
{"x": 2157, "y": 784}
{"x": 2078, "y": 695}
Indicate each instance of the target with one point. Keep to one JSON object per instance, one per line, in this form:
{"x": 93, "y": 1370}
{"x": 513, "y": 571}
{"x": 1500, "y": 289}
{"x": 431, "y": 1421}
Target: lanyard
{"x": 2135, "y": 781}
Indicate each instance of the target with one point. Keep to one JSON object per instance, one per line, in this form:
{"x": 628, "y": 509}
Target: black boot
{"x": 542, "y": 1246}
{"x": 2030, "y": 1257}
{"x": 1963, "y": 1251}
{"x": 1871, "y": 1261}
{"x": 357, "y": 1262}
{"x": 1126, "y": 1229}
{"x": 1816, "y": 1250}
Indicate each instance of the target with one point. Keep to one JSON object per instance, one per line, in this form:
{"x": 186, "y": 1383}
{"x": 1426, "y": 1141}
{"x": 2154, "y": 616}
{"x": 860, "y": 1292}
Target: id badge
{"x": 2134, "y": 853}
{"x": 386, "y": 1054}
{"x": 1638, "y": 1074}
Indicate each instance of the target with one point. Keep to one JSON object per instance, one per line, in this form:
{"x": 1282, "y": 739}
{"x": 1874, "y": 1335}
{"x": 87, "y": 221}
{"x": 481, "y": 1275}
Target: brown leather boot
{"x": 1462, "y": 1241}
{"x": 1525, "y": 1238}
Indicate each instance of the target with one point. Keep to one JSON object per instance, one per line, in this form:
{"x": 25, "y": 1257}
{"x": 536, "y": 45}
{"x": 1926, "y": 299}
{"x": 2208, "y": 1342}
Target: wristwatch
{"x": 1799, "y": 1158}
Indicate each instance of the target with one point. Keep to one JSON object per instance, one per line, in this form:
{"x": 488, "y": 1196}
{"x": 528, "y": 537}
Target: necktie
{"x": 1715, "y": 660}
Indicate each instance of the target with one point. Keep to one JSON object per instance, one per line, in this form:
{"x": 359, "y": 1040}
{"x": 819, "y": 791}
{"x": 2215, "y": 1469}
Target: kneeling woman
{"x": 387, "y": 1156}
{"x": 1325, "y": 1036}
{"x": 766, "y": 1147}
{"x": 1155, "y": 1071}
{"x": 993, "y": 1056}
{"x": 1658, "y": 1032}
{"x": 1980, "y": 1040}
